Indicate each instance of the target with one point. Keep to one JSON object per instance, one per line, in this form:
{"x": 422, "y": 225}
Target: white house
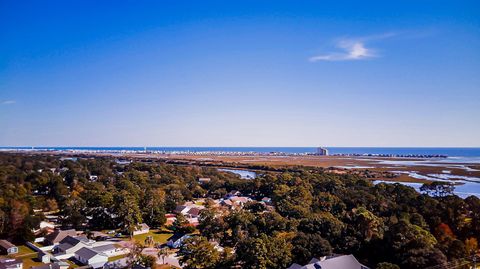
{"x": 332, "y": 262}
{"x": 70, "y": 244}
{"x": 91, "y": 257}
{"x": 44, "y": 256}
{"x": 142, "y": 229}
{"x": 7, "y": 247}
{"x": 109, "y": 250}
{"x": 176, "y": 240}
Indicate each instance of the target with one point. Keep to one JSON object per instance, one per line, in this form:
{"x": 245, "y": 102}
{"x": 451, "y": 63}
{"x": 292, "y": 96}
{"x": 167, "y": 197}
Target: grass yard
{"x": 31, "y": 262}
{"x": 158, "y": 236}
{"x": 114, "y": 258}
{"x": 72, "y": 264}
{"x": 24, "y": 250}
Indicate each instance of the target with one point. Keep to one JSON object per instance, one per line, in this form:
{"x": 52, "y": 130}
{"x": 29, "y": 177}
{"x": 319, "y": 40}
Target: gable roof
{"x": 59, "y": 235}
{"x": 5, "y": 244}
{"x": 335, "y": 262}
{"x": 176, "y": 236}
{"x": 73, "y": 240}
{"x": 104, "y": 248}
{"x": 194, "y": 211}
{"x": 179, "y": 208}
{"x": 86, "y": 253}
{"x": 144, "y": 226}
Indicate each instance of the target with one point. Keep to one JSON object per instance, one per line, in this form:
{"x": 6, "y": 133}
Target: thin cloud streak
{"x": 352, "y": 49}
{"x": 8, "y": 102}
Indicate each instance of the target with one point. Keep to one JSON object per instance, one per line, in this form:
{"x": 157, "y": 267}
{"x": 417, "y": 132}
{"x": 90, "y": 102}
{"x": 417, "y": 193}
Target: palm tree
{"x": 162, "y": 254}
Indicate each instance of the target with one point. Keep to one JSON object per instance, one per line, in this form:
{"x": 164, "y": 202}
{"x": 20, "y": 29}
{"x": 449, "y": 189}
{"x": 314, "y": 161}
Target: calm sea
{"x": 450, "y": 152}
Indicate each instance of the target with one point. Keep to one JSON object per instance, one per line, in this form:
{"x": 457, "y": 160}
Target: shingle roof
{"x": 59, "y": 235}
{"x": 194, "y": 211}
{"x": 5, "y": 244}
{"x": 176, "y": 236}
{"x": 73, "y": 240}
{"x": 104, "y": 248}
{"x": 343, "y": 261}
{"x": 65, "y": 246}
{"x": 86, "y": 253}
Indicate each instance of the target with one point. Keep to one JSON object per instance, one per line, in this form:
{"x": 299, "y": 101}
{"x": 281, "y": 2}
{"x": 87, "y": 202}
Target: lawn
{"x": 24, "y": 250}
{"x": 31, "y": 262}
{"x": 158, "y": 236}
{"x": 114, "y": 258}
{"x": 72, "y": 264}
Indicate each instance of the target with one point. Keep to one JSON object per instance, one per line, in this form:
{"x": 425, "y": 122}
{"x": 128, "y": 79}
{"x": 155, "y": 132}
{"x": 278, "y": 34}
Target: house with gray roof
{"x": 70, "y": 244}
{"x": 331, "y": 262}
{"x": 91, "y": 257}
{"x": 109, "y": 250}
{"x": 58, "y": 235}
{"x": 7, "y": 248}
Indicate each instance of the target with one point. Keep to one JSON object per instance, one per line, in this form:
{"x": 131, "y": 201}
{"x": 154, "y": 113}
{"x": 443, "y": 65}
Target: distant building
{"x": 7, "y": 248}
{"x": 322, "y": 151}
{"x": 203, "y": 180}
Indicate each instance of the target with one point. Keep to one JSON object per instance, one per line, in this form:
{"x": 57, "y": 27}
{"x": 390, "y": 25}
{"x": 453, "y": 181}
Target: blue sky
{"x": 239, "y": 73}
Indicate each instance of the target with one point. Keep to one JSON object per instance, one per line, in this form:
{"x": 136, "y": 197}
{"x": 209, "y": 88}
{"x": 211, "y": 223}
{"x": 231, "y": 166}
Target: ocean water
{"x": 450, "y": 152}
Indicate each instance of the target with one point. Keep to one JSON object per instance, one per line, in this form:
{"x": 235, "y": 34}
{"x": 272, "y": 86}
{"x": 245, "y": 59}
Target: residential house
{"x": 142, "y": 229}
{"x": 232, "y": 193}
{"x": 203, "y": 180}
{"x": 58, "y": 235}
{"x": 11, "y": 264}
{"x": 191, "y": 211}
{"x": 108, "y": 250}
{"x": 70, "y": 244}
{"x": 176, "y": 240}
{"x": 267, "y": 200}
{"x": 44, "y": 256}
{"x": 331, "y": 262}
{"x": 170, "y": 219}
{"x": 7, "y": 248}
{"x": 90, "y": 257}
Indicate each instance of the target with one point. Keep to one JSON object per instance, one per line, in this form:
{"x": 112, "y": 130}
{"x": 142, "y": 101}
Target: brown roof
{"x": 194, "y": 211}
{"x": 59, "y": 235}
{"x": 6, "y": 245}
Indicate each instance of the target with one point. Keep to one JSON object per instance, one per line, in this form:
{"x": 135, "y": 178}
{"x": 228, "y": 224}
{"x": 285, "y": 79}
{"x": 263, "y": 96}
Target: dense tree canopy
{"x": 314, "y": 213}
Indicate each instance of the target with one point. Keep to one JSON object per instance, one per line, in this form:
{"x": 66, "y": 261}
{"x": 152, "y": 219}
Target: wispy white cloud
{"x": 8, "y": 102}
{"x": 352, "y": 49}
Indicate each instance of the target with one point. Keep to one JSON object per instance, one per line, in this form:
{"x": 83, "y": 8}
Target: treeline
{"x": 316, "y": 213}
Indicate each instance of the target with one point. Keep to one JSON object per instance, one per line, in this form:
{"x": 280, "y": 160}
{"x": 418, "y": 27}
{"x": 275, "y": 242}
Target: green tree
{"x": 264, "y": 252}
{"x": 128, "y": 212}
{"x": 386, "y": 265}
{"x": 198, "y": 253}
